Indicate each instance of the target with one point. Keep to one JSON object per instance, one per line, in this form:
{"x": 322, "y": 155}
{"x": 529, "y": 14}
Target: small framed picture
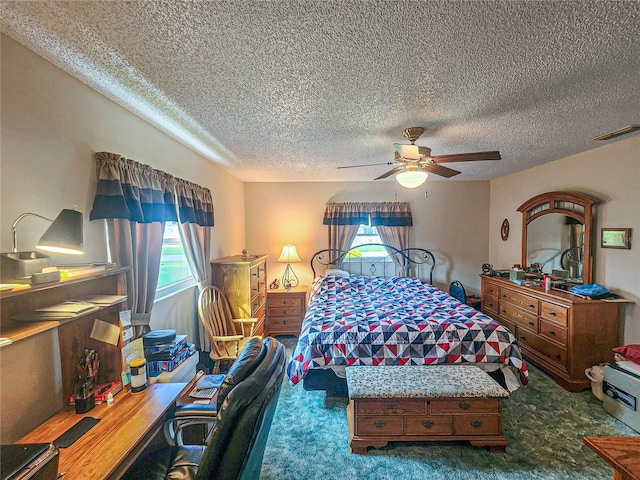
{"x": 615, "y": 238}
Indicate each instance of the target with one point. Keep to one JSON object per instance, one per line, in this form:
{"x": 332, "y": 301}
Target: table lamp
{"x": 289, "y": 255}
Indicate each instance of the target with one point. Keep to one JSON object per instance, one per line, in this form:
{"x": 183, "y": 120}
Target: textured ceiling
{"x": 289, "y": 90}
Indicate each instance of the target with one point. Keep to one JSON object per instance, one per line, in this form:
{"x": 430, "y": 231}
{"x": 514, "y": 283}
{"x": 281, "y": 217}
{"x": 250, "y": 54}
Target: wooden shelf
{"x": 31, "y": 297}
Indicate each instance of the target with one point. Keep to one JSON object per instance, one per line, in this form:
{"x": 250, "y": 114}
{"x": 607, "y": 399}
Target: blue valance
{"x": 130, "y": 190}
{"x": 388, "y": 214}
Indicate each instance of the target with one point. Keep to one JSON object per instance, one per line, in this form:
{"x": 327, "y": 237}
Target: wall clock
{"x": 504, "y": 230}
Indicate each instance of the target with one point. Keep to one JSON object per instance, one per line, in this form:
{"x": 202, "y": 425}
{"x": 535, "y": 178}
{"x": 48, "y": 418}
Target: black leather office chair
{"x": 235, "y": 446}
{"x": 195, "y": 414}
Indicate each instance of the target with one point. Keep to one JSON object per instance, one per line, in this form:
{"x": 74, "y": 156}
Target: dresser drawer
{"x": 390, "y": 406}
{"x": 476, "y": 425}
{"x": 553, "y": 331}
{"x": 554, "y": 313}
{"x": 465, "y": 405}
{"x": 490, "y": 289}
{"x": 280, "y": 301}
{"x": 379, "y": 425}
{"x": 490, "y": 303}
{"x": 519, "y": 300}
{"x": 554, "y": 353}
{"x": 519, "y": 316}
{"x": 429, "y": 425}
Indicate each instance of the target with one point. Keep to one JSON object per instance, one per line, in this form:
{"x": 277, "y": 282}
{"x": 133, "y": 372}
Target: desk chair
{"x": 228, "y": 335}
{"x": 235, "y": 447}
{"x": 190, "y": 414}
{"x": 457, "y": 291}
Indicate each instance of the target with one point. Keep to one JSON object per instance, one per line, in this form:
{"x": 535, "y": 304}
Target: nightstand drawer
{"x": 281, "y": 301}
{"x": 285, "y": 312}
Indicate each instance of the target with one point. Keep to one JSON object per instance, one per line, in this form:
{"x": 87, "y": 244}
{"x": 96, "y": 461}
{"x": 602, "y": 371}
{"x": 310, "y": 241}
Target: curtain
{"x": 391, "y": 219}
{"x": 137, "y": 201}
{"x": 343, "y": 220}
{"x": 139, "y": 246}
{"x": 194, "y": 202}
{"x": 396, "y": 237}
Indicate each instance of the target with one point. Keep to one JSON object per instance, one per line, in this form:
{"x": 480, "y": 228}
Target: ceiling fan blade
{"x": 411, "y": 152}
{"x": 390, "y": 172}
{"x": 367, "y": 165}
{"x": 467, "y": 157}
{"x": 440, "y": 170}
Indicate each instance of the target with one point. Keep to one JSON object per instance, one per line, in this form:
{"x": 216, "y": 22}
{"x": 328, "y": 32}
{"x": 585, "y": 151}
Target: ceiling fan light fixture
{"x": 412, "y": 178}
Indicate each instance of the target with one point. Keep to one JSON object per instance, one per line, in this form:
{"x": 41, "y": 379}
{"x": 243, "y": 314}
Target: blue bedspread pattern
{"x": 360, "y": 320}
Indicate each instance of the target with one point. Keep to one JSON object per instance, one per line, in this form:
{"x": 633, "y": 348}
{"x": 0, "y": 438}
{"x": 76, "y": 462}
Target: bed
{"x": 379, "y": 311}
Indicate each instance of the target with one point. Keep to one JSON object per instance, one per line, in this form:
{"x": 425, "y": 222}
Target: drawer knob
{"x": 522, "y": 337}
{"x": 491, "y": 304}
{"x": 531, "y": 305}
{"x": 476, "y": 424}
{"x": 284, "y": 303}
{"x": 285, "y": 321}
{"x": 379, "y": 424}
{"x": 557, "y": 355}
{"x": 531, "y": 323}
{"x": 391, "y": 406}
{"x": 464, "y": 405}
{"x": 504, "y": 311}
{"x": 428, "y": 424}
{"x": 504, "y": 295}
{"x": 552, "y": 332}
{"x": 551, "y": 312}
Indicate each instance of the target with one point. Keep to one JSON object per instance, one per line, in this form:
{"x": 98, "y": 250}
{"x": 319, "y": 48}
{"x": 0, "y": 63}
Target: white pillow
{"x": 337, "y": 272}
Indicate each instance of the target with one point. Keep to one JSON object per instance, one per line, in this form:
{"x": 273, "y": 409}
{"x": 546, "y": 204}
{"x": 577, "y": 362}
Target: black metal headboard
{"x": 400, "y": 263}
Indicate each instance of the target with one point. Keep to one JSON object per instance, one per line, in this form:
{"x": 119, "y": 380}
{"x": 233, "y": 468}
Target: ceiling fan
{"x": 413, "y": 163}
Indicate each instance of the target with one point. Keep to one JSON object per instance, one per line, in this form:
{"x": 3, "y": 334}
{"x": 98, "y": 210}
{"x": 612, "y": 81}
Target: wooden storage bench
{"x": 421, "y": 403}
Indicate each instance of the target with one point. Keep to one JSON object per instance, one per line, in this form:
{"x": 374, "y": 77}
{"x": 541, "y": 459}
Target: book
{"x": 103, "y": 300}
{"x": 73, "y": 307}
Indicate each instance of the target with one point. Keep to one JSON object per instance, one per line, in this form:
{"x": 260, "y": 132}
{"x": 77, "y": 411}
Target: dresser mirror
{"x": 556, "y": 235}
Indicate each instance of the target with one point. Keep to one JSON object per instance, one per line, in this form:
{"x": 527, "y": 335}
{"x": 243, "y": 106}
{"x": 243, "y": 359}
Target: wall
{"x": 52, "y": 125}
{"x": 452, "y": 222}
{"x": 611, "y": 173}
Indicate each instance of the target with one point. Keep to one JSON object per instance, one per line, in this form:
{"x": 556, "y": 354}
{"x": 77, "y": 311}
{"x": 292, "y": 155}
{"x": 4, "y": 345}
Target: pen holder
{"x": 83, "y": 397}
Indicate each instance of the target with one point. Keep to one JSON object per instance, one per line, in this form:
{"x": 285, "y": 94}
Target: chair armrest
{"x": 245, "y": 320}
{"x": 227, "y": 338}
{"x": 186, "y": 416}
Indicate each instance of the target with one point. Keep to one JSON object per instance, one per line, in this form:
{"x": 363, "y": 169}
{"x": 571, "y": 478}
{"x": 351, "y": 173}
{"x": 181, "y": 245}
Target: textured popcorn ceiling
{"x": 289, "y": 90}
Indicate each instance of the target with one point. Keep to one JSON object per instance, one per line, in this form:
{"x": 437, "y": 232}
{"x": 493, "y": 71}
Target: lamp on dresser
{"x": 289, "y": 255}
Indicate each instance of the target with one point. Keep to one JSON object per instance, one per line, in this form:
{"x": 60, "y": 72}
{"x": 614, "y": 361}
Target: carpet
{"x": 543, "y": 423}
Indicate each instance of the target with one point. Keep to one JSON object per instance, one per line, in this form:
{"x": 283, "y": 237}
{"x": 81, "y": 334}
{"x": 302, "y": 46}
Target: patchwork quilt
{"x": 360, "y": 320}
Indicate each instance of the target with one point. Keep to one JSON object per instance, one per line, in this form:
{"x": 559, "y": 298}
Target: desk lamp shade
{"x": 65, "y": 235}
{"x": 289, "y": 255}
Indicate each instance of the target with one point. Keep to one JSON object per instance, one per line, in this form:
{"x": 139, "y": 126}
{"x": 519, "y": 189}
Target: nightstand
{"x": 285, "y": 310}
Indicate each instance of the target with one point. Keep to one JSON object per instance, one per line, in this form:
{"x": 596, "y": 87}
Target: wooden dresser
{"x": 244, "y": 282}
{"x": 561, "y": 333}
{"x": 285, "y": 310}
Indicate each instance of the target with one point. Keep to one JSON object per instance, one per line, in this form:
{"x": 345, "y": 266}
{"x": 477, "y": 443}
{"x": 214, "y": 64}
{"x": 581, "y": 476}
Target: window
{"x": 175, "y": 273}
{"x": 367, "y": 234}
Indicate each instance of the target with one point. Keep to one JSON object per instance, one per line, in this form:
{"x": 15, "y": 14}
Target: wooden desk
{"x": 113, "y": 444}
{"x": 622, "y": 453}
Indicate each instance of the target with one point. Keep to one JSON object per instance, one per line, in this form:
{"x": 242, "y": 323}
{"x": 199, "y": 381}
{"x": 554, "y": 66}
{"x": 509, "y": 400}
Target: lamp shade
{"x": 412, "y": 178}
{"x": 289, "y": 254}
{"x": 65, "y": 235}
